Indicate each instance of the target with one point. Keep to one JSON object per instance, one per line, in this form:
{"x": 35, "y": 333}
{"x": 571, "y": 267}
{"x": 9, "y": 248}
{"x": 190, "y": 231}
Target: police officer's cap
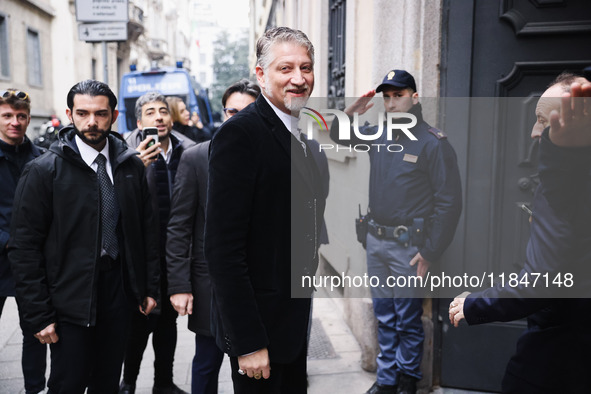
{"x": 398, "y": 79}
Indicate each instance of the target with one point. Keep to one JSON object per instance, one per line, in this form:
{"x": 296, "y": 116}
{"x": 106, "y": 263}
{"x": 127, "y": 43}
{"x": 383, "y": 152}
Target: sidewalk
{"x": 333, "y": 364}
{"x": 333, "y": 356}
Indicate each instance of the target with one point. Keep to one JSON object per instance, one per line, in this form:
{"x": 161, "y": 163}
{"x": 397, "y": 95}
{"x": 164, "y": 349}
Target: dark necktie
{"x": 303, "y": 143}
{"x": 108, "y": 208}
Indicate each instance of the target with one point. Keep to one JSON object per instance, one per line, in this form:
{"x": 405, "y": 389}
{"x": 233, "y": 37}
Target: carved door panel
{"x": 504, "y": 52}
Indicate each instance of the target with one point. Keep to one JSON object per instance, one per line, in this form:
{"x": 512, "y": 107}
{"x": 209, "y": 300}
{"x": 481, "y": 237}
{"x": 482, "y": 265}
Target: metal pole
{"x": 105, "y": 63}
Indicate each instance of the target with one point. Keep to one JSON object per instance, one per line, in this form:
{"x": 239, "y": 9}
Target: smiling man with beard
{"x": 264, "y": 208}
{"x": 82, "y": 248}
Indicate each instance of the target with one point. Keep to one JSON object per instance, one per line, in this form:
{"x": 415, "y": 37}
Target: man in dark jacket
{"x": 189, "y": 285}
{"x": 16, "y": 150}
{"x": 82, "y": 249}
{"x": 264, "y": 211}
{"x": 552, "y": 355}
{"x": 161, "y": 161}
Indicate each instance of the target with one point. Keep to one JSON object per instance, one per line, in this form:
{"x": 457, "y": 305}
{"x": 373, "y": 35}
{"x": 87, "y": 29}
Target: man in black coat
{"x": 552, "y": 355}
{"x": 82, "y": 250}
{"x": 16, "y": 150}
{"x": 161, "y": 161}
{"x": 264, "y": 211}
{"x": 189, "y": 285}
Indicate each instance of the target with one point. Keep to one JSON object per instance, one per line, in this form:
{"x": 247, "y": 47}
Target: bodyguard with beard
{"x": 82, "y": 248}
{"x": 264, "y": 209}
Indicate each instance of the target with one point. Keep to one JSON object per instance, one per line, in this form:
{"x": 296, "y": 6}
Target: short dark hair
{"x": 150, "y": 97}
{"x": 92, "y": 88}
{"x": 14, "y": 101}
{"x": 243, "y": 86}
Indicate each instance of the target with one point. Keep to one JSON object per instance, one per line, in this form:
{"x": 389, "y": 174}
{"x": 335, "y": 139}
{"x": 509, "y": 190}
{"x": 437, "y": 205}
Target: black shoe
{"x": 173, "y": 389}
{"x": 407, "y": 384}
{"x": 381, "y": 389}
{"x": 125, "y": 388}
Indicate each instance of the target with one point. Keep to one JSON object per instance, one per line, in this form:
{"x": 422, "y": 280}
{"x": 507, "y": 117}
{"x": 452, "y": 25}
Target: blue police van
{"x": 169, "y": 81}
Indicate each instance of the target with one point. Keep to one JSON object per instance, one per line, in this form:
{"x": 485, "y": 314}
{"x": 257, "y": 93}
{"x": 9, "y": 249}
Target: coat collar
{"x": 27, "y": 145}
{"x": 66, "y": 147}
{"x": 302, "y": 166}
{"x": 277, "y": 127}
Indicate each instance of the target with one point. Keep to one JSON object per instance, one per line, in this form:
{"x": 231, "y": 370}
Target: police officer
{"x": 415, "y": 203}
{"x": 552, "y": 354}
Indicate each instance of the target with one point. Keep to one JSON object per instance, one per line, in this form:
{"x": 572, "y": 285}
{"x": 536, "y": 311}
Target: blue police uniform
{"x": 552, "y": 355}
{"x": 416, "y": 193}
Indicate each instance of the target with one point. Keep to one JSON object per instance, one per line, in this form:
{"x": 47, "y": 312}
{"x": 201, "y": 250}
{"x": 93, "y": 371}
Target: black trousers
{"x": 285, "y": 378}
{"x": 163, "y": 327}
{"x": 92, "y": 356}
{"x": 206, "y": 365}
{"x": 33, "y": 358}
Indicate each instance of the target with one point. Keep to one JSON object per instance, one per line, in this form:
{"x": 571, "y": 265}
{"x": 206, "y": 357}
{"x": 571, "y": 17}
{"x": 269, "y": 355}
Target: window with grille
{"x": 336, "y": 49}
{"x": 34, "y": 58}
{"x": 4, "y": 63}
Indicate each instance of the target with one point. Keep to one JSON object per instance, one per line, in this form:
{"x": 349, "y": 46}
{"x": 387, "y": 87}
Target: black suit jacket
{"x": 187, "y": 269}
{"x": 264, "y": 211}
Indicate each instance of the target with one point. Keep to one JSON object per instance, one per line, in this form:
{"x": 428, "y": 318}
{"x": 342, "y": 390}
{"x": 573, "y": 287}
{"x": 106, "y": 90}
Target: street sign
{"x": 102, "y": 10}
{"x": 102, "y": 31}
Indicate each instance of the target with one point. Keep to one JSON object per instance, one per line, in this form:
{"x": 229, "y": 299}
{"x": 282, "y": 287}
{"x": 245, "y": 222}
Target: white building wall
{"x": 20, "y": 16}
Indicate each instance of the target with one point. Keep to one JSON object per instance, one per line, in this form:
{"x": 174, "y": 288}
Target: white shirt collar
{"x": 89, "y": 155}
{"x": 289, "y": 121}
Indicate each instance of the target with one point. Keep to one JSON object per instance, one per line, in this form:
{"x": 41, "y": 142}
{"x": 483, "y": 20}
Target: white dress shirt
{"x": 291, "y": 122}
{"x": 89, "y": 155}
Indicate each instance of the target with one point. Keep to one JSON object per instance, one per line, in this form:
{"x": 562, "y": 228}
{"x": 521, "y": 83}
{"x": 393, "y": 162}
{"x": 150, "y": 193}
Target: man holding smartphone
{"x": 161, "y": 160}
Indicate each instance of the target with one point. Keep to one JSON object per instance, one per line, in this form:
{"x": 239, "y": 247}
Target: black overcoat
{"x": 264, "y": 210}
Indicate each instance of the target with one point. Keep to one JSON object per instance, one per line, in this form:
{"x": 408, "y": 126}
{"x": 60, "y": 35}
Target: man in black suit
{"x": 552, "y": 355}
{"x": 264, "y": 210}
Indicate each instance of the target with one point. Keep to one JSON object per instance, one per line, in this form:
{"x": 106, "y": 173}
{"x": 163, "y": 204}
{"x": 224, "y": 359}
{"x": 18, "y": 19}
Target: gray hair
{"x": 278, "y": 35}
{"x": 146, "y": 98}
{"x": 565, "y": 79}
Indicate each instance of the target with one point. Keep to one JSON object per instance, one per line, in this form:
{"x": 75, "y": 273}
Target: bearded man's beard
{"x": 92, "y": 140}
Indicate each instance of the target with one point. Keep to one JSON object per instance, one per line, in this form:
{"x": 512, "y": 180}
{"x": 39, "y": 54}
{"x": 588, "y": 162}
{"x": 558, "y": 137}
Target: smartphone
{"x": 153, "y": 131}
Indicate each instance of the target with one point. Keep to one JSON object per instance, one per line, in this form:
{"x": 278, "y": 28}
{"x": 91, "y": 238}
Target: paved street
{"x": 333, "y": 360}
{"x": 333, "y": 365}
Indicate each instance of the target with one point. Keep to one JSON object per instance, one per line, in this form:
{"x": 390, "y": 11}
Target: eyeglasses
{"x": 231, "y": 111}
{"x": 24, "y": 96}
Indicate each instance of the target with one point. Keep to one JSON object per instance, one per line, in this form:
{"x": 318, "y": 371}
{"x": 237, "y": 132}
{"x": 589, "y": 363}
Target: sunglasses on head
{"x": 24, "y": 96}
{"x": 230, "y": 111}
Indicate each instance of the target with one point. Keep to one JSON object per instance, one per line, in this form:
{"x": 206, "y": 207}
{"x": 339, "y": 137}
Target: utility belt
{"x": 403, "y": 234}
